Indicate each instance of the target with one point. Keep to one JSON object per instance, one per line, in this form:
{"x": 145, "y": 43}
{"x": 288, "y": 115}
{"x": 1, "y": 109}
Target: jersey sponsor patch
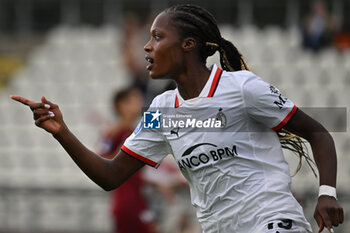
{"x": 190, "y": 159}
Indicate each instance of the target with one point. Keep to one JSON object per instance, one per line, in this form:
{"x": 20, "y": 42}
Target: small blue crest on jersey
{"x": 138, "y": 128}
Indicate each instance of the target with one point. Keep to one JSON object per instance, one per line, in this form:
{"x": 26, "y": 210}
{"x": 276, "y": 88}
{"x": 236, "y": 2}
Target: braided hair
{"x": 195, "y": 21}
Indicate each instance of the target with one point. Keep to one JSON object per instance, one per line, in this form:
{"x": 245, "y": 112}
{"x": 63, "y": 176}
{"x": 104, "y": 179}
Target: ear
{"x": 189, "y": 44}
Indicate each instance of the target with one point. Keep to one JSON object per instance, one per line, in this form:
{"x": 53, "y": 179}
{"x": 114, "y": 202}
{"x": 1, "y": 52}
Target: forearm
{"x": 94, "y": 166}
{"x": 325, "y": 157}
{"x": 321, "y": 143}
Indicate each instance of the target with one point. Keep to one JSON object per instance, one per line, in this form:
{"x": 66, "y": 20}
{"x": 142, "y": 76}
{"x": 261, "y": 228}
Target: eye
{"x": 157, "y": 37}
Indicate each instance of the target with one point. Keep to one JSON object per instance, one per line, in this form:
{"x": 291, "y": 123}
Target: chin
{"x": 154, "y": 75}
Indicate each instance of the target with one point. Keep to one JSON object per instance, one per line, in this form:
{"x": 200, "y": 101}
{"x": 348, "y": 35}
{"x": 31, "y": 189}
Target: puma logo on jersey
{"x": 189, "y": 161}
{"x": 175, "y": 131}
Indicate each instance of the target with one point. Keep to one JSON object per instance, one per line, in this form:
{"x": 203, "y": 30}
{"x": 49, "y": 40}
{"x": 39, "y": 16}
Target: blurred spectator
{"x": 127, "y": 104}
{"x": 129, "y": 207}
{"x": 319, "y": 27}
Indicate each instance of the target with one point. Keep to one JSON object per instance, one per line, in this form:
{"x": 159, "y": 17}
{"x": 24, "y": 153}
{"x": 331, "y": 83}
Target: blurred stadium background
{"x": 71, "y": 51}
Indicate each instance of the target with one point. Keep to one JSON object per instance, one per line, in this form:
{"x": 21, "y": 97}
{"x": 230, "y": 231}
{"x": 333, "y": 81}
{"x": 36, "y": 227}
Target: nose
{"x": 147, "y": 46}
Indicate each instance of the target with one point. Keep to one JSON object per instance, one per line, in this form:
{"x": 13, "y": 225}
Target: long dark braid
{"x": 195, "y": 21}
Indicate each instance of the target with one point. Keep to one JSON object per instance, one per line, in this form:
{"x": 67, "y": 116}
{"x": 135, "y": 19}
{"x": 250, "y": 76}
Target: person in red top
{"x": 129, "y": 207}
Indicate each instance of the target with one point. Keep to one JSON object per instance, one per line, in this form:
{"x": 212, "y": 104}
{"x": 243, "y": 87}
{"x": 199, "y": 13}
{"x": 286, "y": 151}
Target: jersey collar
{"x": 209, "y": 88}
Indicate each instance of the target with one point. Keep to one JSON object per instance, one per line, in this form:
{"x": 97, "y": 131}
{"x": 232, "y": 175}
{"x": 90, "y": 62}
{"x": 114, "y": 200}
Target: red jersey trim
{"x": 139, "y": 157}
{"x": 286, "y": 119}
{"x": 176, "y": 102}
{"x": 215, "y": 82}
{"x": 213, "y": 86}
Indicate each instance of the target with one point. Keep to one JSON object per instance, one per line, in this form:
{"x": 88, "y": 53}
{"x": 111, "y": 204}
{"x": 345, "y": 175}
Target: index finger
{"x": 22, "y": 100}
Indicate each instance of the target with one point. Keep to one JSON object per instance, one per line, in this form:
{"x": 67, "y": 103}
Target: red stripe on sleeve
{"x": 139, "y": 157}
{"x": 215, "y": 82}
{"x": 286, "y": 119}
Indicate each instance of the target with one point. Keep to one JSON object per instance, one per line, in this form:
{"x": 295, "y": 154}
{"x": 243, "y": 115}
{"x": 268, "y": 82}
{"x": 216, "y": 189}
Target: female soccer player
{"x": 238, "y": 177}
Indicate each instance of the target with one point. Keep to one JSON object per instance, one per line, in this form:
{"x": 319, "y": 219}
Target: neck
{"x": 191, "y": 82}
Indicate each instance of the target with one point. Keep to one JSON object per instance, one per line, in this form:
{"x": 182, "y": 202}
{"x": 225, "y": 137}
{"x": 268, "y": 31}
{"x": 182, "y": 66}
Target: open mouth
{"x": 150, "y": 60}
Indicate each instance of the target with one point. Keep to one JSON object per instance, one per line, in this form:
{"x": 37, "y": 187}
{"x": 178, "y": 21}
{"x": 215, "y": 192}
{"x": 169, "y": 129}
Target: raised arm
{"x": 108, "y": 174}
{"x": 327, "y": 212}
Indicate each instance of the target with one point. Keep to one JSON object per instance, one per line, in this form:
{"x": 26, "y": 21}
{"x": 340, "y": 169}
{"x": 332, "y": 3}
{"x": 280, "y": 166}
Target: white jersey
{"x": 237, "y": 173}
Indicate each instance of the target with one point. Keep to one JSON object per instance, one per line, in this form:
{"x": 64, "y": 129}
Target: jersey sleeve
{"x": 266, "y": 104}
{"x": 147, "y": 145}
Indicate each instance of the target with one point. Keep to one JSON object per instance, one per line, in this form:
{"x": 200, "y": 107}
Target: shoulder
{"x": 240, "y": 76}
{"x": 248, "y": 84}
{"x": 242, "y": 79}
{"x": 166, "y": 99}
